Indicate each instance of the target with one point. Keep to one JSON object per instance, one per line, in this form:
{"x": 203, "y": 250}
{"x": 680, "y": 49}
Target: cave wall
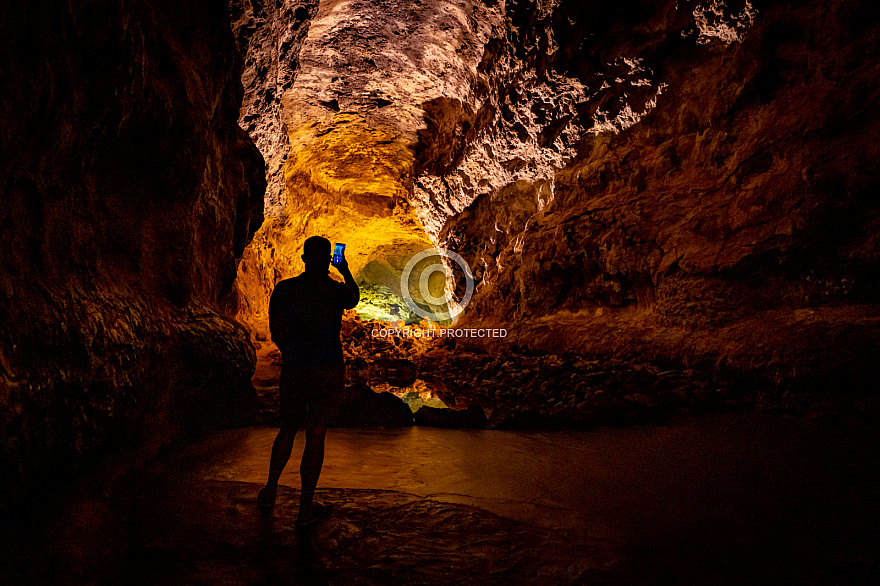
{"x": 269, "y": 36}
{"x": 353, "y": 114}
{"x": 720, "y": 161}
{"x": 705, "y": 170}
{"x": 713, "y": 204}
{"x": 129, "y": 192}
{"x": 720, "y": 209}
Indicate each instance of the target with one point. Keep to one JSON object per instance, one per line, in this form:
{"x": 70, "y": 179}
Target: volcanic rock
{"x": 680, "y": 168}
{"x": 128, "y": 194}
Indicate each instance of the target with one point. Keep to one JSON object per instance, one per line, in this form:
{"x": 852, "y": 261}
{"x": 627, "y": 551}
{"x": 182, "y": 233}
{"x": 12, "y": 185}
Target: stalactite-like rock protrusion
{"x": 269, "y": 36}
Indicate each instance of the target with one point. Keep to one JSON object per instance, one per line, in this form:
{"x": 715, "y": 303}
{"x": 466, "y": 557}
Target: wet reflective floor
{"x": 707, "y": 492}
{"x": 718, "y": 499}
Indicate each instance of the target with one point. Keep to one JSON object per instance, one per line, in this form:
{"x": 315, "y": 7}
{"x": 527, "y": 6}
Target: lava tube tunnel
{"x": 609, "y": 311}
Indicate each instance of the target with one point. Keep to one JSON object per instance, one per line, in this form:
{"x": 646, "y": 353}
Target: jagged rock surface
{"x": 747, "y": 187}
{"x": 269, "y": 36}
{"x": 128, "y": 194}
{"x": 708, "y": 164}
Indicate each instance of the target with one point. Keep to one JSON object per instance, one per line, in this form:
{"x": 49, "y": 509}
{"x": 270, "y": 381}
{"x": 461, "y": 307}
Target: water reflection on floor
{"x": 736, "y": 485}
{"x": 720, "y": 499}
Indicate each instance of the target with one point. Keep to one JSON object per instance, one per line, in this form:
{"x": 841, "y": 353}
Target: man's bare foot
{"x": 266, "y": 498}
{"x": 315, "y": 513}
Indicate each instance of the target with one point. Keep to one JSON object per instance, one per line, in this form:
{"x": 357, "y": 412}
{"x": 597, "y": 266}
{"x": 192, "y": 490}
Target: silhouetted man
{"x": 305, "y": 317}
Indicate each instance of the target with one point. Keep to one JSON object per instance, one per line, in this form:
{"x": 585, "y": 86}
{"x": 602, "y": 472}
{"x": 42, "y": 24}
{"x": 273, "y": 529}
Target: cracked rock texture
{"x": 128, "y": 194}
{"x": 354, "y": 116}
{"x": 748, "y": 186}
{"x": 269, "y": 35}
{"x": 705, "y": 164}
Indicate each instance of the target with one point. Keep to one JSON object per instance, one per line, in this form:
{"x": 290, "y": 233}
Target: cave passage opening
{"x": 350, "y": 182}
{"x": 402, "y": 284}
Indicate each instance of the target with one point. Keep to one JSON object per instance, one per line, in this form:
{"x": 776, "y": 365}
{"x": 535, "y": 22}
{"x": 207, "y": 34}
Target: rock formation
{"x": 129, "y": 192}
{"x": 646, "y": 187}
{"x": 730, "y": 195}
{"x": 269, "y": 36}
{"x": 677, "y": 181}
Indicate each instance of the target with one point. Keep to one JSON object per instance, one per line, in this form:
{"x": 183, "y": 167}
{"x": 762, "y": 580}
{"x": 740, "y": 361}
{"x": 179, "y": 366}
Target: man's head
{"x": 316, "y": 254}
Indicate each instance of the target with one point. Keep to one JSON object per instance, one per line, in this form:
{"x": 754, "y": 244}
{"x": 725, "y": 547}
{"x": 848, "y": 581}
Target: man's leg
{"x": 310, "y": 468}
{"x": 293, "y": 408}
{"x": 280, "y": 455}
{"x": 327, "y": 392}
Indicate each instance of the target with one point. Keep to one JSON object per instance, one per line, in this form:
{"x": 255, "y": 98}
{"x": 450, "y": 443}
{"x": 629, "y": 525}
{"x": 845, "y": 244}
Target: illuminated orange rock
{"x": 670, "y": 182}
{"x": 355, "y": 117}
{"x": 686, "y": 166}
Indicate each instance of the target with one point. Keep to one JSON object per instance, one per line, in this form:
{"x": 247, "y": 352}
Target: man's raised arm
{"x": 343, "y": 269}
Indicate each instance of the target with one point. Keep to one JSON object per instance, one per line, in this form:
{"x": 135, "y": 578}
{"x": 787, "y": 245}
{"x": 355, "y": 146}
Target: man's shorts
{"x": 311, "y": 396}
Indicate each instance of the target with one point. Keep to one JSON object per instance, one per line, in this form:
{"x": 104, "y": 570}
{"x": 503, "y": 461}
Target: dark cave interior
{"x": 574, "y": 224}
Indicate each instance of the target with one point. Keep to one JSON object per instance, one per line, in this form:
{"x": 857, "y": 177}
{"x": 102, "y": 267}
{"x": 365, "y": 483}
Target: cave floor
{"x": 733, "y": 498}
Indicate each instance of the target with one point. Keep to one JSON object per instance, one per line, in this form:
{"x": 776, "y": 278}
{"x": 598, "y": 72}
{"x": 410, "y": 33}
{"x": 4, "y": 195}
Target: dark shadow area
{"x": 718, "y": 499}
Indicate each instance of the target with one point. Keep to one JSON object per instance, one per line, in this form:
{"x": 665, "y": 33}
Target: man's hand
{"x": 342, "y": 267}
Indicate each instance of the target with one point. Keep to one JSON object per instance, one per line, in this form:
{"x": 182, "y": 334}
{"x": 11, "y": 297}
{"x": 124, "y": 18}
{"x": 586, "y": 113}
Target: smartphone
{"x": 338, "y": 253}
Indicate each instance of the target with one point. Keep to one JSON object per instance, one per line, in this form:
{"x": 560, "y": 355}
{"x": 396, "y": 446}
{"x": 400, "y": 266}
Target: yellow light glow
{"x": 348, "y": 182}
